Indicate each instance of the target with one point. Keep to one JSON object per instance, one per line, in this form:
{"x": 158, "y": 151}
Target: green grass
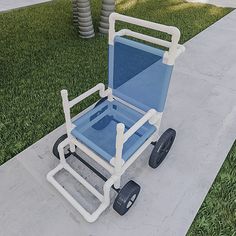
{"x": 41, "y": 53}
{"x": 217, "y": 215}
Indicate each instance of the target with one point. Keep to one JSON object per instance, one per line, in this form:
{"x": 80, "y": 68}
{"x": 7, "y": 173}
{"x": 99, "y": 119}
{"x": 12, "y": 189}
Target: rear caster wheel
{"x": 56, "y": 144}
{"x": 126, "y": 197}
{"x": 161, "y": 148}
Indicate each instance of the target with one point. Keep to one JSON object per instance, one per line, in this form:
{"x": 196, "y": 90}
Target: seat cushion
{"x": 97, "y": 129}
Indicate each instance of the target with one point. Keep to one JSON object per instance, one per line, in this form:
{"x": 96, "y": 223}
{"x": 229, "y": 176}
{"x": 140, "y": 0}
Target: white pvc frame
{"x": 175, "y": 49}
{"x": 117, "y": 166}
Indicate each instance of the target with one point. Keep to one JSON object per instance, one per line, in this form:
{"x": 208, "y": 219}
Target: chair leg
{"x": 72, "y": 147}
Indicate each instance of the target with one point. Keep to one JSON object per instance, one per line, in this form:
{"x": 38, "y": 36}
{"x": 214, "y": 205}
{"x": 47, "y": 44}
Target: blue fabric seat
{"x": 97, "y": 129}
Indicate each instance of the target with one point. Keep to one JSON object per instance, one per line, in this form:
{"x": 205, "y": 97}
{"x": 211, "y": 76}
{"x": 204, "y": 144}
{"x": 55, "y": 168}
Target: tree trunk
{"x": 108, "y": 6}
{"x": 82, "y": 18}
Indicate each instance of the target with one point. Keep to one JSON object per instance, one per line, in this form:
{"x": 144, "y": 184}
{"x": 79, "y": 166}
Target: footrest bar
{"x": 95, "y": 171}
{"x": 84, "y": 182}
{"x": 89, "y": 217}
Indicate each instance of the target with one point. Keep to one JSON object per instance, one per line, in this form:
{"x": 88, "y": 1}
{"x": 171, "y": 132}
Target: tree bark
{"x": 82, "y": 18}
{"x": 108, "y": 6}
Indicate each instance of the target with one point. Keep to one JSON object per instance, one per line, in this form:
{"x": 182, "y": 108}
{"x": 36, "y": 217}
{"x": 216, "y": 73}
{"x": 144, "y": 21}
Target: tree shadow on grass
{"x": 190, "y": 18}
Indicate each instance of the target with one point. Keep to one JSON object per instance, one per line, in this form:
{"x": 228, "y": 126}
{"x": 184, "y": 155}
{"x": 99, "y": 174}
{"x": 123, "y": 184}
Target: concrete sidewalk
{"x": 202, "y": 108}
{"x": 6, "y": 5}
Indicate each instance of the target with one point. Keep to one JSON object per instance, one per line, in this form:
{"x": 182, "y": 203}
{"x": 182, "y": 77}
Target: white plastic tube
{"x": 174, "y": 48}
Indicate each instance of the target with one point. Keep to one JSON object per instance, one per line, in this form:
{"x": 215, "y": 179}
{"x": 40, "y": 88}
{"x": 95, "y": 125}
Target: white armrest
{"x": 68, "y": 104}
{"x": 147, "y": 117}
{"x": 99, "y": 87}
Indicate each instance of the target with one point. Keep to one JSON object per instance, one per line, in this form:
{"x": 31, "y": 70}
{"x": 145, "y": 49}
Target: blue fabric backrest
{"x": 137, "y": 74}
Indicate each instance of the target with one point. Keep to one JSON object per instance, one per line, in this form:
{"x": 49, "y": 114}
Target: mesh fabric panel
{"x": 129, "y": 62}
{"x": 138, "y": 75}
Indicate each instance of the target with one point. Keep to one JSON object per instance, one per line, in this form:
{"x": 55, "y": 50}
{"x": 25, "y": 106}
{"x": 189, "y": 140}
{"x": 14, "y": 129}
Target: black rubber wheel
{"x": 101, "y": 101}
{"x": 105, "y": 121}
{"x": 56, "y": 144}
{"x": 126, "y": 197}
{"x": 161, "y": 148}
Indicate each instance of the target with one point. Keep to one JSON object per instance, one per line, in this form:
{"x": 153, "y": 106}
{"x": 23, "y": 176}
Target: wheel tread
{"x": 124, "y": 196}
{"x": 156, "y": 158}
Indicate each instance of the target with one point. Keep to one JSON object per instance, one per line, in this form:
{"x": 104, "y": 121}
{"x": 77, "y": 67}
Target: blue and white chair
{"x": 127, "y": 119}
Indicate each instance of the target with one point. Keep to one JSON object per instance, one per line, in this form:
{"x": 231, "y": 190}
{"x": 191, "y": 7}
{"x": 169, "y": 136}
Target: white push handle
{"x": 147, "y": 24}
{"x": 171, "y": 30}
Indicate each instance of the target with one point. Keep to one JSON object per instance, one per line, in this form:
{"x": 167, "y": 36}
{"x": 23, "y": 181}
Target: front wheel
{"x": 126, "y": 197}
